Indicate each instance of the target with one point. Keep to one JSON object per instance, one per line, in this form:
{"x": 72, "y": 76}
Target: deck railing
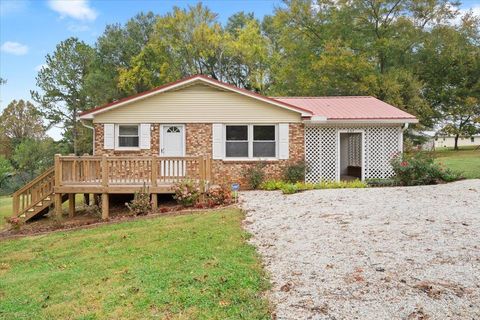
{"x": 129, "y": 170}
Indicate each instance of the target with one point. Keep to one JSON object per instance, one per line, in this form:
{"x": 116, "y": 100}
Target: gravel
{"x": 377, "y": 253}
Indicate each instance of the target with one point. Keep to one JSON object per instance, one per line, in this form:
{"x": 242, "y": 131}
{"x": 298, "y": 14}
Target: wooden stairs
{"x": 36, "y": 197}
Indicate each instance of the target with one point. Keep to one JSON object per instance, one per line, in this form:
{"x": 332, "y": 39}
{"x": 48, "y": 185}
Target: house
{"x": 445, "y": 141}
{"x": 200, "y": 128}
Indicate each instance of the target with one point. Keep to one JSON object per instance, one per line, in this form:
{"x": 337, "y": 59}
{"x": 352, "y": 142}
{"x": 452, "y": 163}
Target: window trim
{"x": 250, "y": 142}
{"x": 117, "y": 135}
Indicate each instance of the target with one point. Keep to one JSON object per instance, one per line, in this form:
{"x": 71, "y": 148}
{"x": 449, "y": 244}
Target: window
{"x": 236, "y": 142}
{"x": 128, "y": 136}
{"x": 264, "y": 144}
{"x": 250, "y": 141}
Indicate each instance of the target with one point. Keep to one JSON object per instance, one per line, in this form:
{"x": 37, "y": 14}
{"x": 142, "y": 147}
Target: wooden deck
{"x": 106, "y": 175}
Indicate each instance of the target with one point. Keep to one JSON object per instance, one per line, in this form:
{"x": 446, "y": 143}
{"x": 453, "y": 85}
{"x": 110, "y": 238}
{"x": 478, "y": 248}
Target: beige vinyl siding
{"x": 198, "y": 104}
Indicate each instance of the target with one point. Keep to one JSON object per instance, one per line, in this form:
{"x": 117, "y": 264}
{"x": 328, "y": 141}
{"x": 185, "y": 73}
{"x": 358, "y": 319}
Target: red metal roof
{"x": 347, "y": 107}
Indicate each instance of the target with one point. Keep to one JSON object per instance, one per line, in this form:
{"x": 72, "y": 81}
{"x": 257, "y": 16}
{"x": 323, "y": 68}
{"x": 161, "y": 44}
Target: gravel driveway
{"x": 379, "y": 253}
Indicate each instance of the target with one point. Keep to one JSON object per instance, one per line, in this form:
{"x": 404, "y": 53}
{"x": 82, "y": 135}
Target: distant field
{"x": 466, "y": 161}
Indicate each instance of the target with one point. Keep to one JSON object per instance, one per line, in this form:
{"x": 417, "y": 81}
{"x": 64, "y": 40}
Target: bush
{"x": 187, "y": 192}
{"x": 295, "y": 172}
{"x": 15, "y": 222}
{"x": 419, "y": 168}
{"x": 376, "y": 182}
{"x": 141, "y": 203}
{"x": 289, "y": 188}
{"x": 219, "y": 195}
{"x": 255, "y": 175}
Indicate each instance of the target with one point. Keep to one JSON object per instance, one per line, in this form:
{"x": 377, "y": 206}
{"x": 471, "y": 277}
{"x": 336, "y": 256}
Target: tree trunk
{"x": 456, "y": 142}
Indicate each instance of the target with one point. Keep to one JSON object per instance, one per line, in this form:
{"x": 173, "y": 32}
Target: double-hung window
{"x": 250, "y": 141}
{"x": 128, "y": 136}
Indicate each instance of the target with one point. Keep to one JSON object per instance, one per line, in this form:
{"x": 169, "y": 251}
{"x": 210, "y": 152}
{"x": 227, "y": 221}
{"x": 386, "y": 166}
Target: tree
{"x": 2, "y": 81}
{"x": 34, "y": 156}
{"x": 21, "y": 120}
{"x": 6, "y": 170}
{"x": 62, "y": 82}
{"x": 114, "y": 51}
{"x": 449, "y": 63}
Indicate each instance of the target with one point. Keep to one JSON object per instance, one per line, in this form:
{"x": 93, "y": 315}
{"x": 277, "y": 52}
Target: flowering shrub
{"x": 419, "y": 168}
{"x": 15, "y": 222}
{"x": 219, "y": 195}
{"x": 141, "y": 203}
{"x": 187, "y": 192}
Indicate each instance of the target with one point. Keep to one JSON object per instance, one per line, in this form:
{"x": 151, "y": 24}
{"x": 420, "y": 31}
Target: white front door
{"x": 172, "y": 141}
{"x": 172, "y": 144}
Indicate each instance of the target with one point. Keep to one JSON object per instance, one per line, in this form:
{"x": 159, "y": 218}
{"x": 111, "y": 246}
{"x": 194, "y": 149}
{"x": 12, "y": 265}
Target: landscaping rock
{"x": 376, "y": 253}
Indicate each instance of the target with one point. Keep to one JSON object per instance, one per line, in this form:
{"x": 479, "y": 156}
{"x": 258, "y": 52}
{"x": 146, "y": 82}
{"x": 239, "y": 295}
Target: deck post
{"x": 154, "y": 201}
{"x": 105, "y": 206}
{"x": 16, "y": 204}
{"x": 153, "y": 182}
{"x": 58, "y": 170}
{"x": 58, "y": 204}
{"x": 71, "y": 205}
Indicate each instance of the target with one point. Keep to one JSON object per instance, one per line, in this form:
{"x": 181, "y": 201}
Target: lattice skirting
{"x": 380, "y": 144}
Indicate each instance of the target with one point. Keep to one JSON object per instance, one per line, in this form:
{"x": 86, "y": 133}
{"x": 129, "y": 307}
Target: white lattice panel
{"x": 321, "y": 151}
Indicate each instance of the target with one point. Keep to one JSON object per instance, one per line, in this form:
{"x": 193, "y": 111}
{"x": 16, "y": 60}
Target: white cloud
{"x": 462, "y": 12}
{"x": 40, "y": 67}
{"x": 14, "y": 48}
{"x": 76, "y": 9}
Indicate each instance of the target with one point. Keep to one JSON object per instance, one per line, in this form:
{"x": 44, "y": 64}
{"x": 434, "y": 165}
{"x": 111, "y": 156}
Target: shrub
{"x": 219, "y": 195}
{"x": 419, "y": 168}
{"x": 377, "y": 182}
{"x": 15, "y": 222}
{"x": 141, "y": 203}
{"x": 295, "y": 172}
{"x": 187, "y": 192}
{"x": 272, "y": 185}
{"x": 255, "y": 175}
{"x": 289, "y": 188}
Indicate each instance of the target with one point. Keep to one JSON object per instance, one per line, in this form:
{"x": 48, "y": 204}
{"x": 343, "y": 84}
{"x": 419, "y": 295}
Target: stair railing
{"x": 33, "y": 192}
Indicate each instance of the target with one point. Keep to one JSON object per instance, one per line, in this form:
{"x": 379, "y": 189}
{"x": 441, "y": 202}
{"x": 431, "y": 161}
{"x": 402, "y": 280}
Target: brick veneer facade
{"x": 199, "y": 142}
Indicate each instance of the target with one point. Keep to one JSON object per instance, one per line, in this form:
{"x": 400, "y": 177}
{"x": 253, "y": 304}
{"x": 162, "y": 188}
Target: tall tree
{"x": 21, "y": 120}
{"x": 62, "y": 82}
{"x": 114, "y": 51}
{"x": 449, "y": 64}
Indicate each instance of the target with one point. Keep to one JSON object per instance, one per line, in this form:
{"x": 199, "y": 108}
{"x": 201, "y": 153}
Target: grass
{"x": 466, "y": 161}
{"x": 5, "y": 209}
{"x": 195, "y": 266}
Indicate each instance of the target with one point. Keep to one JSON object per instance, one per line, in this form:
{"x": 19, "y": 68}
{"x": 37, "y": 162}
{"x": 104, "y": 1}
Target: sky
{"x": 30, "y": 29}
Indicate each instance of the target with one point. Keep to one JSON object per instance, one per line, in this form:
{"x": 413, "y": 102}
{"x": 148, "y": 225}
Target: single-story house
{"x": 202, "y": 129}
{"x": 338, "y": 137}
{"x": 445, "y": 141}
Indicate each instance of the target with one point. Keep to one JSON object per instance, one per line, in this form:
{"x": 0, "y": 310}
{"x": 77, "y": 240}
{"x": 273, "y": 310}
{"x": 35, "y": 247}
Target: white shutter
{"x": 145, "y": 136}
{"x": 217, "y": 140}
{"x": 283, "y": 137}
{"x": 108, "y": 136}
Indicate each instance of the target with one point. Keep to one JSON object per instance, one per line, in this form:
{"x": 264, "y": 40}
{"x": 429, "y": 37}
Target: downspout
{"x": 93, "y": 135}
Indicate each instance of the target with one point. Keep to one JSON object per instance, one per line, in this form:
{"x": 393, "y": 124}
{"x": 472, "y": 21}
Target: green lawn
{"x": 194, "y": 266}
{"x": 466, "y": 161}
{"x": 5, "y": 209}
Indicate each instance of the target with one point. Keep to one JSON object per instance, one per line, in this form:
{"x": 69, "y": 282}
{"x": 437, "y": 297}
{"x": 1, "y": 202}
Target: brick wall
{"x": 154, "y": 147}
{"x": 199, "y": 142}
